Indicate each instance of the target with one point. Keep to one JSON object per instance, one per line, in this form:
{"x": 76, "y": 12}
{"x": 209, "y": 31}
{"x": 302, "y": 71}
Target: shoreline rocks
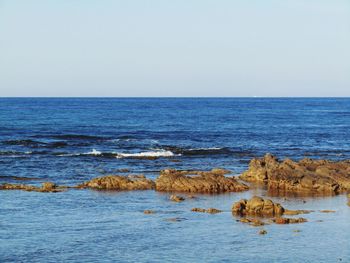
{"x": 306, "y": 175}
{"x": 213, "y": 182}
{"x": 118, "y": 182}
{"x": 46, "y": 187}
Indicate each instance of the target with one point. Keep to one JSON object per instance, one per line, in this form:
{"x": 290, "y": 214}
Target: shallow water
{"x": 55, "y": 139}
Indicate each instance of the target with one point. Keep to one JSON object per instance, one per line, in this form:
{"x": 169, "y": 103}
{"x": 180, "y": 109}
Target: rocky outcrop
{"x": 308, "y": 175}
{"x": 46, "y": 187}
{"x": 118, "y": 182}
{"x": 213, "y": 181}
{"x": 258, "y": 206}
{"x": 209, "y": 210}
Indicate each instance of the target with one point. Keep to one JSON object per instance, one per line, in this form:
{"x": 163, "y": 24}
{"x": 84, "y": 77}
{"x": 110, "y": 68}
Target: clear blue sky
{"x": 175, "y": 48}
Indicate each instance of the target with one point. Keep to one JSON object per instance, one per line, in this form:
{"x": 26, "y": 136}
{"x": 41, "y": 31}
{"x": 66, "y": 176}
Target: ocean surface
{"x": 71, "y": 140}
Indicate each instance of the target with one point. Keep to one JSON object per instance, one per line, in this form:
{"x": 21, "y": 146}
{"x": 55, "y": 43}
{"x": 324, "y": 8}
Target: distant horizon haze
{"x": 192, "y": 48}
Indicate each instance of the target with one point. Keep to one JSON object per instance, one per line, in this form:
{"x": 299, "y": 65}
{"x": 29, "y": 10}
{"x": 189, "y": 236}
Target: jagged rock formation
{"x": 213, "y": 181}
{"x": 308, "y": 175}
{"x": 118, "y": 182}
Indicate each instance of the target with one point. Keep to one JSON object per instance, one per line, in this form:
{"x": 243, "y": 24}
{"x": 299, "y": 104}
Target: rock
{"x": 200, "y": 210}
{"x": 285, "y": 220}
{"x": 320, "y": 176}
{"x": 148, "y": 212}
{"x": 176, "y": 198}
{"x": 209, "y": 210}
{"x": 252, "y": 221}
{"x": 45, "y": 188}
{"x": 257, "y": 206}
{"x": 213, "y": 181}
{"x": 213, "y": 211}
{"x": 118, "y": 182}
{"x": 327, "y": 211}
{"x": 296, "y": 212}
{"x": 262, "y": 232}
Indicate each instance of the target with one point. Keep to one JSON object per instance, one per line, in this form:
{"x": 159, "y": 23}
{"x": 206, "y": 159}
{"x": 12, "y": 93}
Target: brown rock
{"x": 209, "y": 210}
{"x": 213, "y": 181}
{"x": 176, "y": 198}
{"x": 296, "y": 212}
{"x": 308, "y": 175}
{"x": 118, "y": 182}
{"x": 262, "y": 232}
{"x": 327, "y": 211}
{"x": 252, "y": 221}
{"x": 45, "y": 188}
{"x": 257, "y": 206}
{"x": 285, "y": 220}
{"x": 148, "y": 212}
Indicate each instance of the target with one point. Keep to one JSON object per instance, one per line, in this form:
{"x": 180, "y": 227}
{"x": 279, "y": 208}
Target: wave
{"x": 199, "y": 151}
{"x": 15, "y": 153}
{"x": 149, "y": 154}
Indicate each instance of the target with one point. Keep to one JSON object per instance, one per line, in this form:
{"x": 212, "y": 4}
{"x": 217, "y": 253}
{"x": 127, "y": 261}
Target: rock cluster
{"x": 46, "y": 187}
{"x": 306, "y": 175}
{"x": 209, "y": 210}
{"x": 257, "y": 206}
{"x": 118, "y": 182}
{"x": 213, "y": 181}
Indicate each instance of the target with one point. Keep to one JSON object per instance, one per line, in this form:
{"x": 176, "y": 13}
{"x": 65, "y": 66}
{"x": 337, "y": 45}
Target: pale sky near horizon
{"x": 175, "y": 48}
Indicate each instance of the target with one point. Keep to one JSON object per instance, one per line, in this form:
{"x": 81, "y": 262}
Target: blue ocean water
{"x": 71, "y": 140}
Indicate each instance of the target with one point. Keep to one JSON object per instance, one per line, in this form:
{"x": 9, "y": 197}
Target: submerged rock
{"x": 262, "y": 232}
{"x": 213, "y": 181}
{"x": 308, "y": 175}
{"x": 118, "y": 182}
{"x": 45, "y": 188}
{"x": 209, "y": 210}
{"x": 286, "y": 220}
{"x": 252, "y": 221}
{"x": 176, "y": 198}
{"x": 148, "y": 212}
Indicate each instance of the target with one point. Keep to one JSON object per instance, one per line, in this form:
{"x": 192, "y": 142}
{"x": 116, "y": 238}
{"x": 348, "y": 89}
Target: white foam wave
{"x": 146, "y": 154}
{"x": 94, "y": 152}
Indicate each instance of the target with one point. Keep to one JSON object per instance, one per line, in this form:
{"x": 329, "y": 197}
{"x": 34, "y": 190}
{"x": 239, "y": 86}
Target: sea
{"x": 71, "y": 140}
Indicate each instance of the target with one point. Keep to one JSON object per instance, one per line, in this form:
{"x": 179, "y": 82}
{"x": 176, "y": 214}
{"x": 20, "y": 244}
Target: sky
{"x": 190, "y": 48}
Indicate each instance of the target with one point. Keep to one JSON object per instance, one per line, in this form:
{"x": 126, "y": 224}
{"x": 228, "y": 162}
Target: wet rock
{"x": 285, "y": 220}
{"x": 45, "y": 188}
{"x": 200, "y": 210}
{"x": 262, "y": 232}
{"x": 252, "y": 221}
{"x": 296, "y": 212}
{"x": 306, "y": 175}
{"x": 209, "y": 210}
{"x": 257, "y": 206}
{"x": 118, "y": 182}
{"x": 148, "y": 212}
{"x": 176, "y": 198}
{"x": 213, "y": 181}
